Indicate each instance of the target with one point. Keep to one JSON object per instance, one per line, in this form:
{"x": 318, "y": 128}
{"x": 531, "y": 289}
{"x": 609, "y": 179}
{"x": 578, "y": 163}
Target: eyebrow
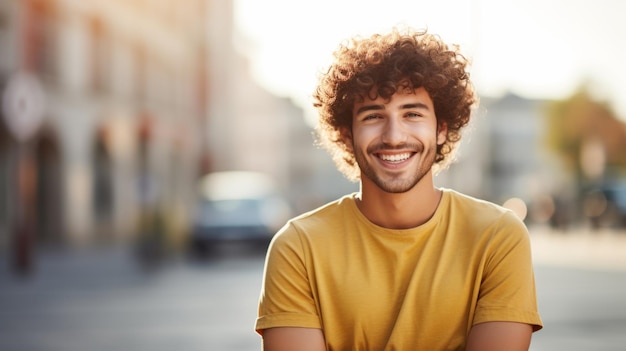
{"x": 417, "y": 105}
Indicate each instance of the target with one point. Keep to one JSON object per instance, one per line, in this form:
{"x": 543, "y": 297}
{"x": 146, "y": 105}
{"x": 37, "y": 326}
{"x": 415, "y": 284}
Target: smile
{"x": 397, "y": 158}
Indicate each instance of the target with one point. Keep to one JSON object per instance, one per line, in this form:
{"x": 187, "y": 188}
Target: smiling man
{"x": 401, "y": 264}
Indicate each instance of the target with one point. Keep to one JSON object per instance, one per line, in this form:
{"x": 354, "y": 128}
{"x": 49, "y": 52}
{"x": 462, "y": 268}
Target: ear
{"x": 442, "y": 132}
{"x": 346, "y": 137}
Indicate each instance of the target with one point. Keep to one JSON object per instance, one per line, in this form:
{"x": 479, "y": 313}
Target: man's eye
{"x": 371, "y": 117}
{"x": 413, "y": 114}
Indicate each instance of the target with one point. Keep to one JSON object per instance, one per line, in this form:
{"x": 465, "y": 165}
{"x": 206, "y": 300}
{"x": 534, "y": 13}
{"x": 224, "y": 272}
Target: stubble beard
{"x": 395, "y": 183}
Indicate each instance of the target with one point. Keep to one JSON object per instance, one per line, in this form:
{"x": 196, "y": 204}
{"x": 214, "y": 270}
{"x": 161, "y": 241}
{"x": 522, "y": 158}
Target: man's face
{"x": 395, "y": 142}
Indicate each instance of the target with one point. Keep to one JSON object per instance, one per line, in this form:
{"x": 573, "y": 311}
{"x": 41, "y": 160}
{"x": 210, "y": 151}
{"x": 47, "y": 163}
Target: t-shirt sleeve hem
{"x": 504, "y": 315}
{"x": 286, "y": 320}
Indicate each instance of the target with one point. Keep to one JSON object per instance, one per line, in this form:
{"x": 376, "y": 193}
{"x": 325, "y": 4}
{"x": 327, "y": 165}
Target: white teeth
{"x": 395, "y": 158}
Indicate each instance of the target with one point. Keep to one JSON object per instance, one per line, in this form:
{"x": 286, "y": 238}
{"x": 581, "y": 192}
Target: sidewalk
{"x": 582, "y": 248}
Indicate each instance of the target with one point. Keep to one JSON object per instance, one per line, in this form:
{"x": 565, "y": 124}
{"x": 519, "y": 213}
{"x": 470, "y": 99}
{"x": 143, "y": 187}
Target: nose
{"x": 393, "y": 133}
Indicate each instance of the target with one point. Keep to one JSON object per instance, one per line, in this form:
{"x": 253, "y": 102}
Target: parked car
{"x": 237, "y": 207}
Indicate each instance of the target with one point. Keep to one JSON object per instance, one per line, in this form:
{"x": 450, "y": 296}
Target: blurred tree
{"x": 588, "y": 137}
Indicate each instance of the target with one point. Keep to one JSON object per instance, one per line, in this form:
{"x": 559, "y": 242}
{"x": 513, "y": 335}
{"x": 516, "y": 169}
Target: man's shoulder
{"x": 328, "y": 210}
{"x": 484, "y": 221}
{"x": 475, "y": 208}
{"x": 318, "y": 222}
{"x": 461, "y": 199}
{"x": 324, "y": 215}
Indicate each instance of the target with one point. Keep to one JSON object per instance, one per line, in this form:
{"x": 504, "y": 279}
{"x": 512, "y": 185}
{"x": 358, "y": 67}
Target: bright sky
{"x": 535, "y": 48}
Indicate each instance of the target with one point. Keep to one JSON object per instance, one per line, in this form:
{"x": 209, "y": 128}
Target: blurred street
{"x": 103, "y": 299}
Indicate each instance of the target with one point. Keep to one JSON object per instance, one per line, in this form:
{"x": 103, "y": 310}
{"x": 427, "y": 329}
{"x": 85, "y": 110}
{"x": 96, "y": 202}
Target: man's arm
{"x": 289, "y": 339}
{"x": 499, "y": 336}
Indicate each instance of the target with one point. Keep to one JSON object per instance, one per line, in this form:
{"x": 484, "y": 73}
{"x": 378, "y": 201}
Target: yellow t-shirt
{"x": 372, "y": 288}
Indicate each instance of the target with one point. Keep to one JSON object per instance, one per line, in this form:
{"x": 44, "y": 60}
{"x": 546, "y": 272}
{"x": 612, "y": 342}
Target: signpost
{"x": 23, "y": 106}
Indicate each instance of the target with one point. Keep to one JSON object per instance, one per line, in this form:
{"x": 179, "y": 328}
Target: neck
{"x": 399, "y": 210}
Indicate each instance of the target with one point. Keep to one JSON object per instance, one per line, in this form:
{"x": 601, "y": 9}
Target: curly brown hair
{"x": 385, "y": 64}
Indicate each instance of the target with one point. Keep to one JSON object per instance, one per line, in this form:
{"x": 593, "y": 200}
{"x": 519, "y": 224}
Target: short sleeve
{"x": 286, "y": 298}
{"x": 507, "y": 291}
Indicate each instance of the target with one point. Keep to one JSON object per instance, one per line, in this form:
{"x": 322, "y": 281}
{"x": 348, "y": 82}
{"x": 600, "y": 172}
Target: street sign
{"x": 23, "y": 105}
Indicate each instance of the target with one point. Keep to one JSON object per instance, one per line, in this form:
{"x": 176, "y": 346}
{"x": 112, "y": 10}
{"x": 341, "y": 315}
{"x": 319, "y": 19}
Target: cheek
{"x": 362, "y": 137}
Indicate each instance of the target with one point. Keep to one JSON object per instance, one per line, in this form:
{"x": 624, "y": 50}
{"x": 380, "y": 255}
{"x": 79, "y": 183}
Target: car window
{"x": 236, "y": 211}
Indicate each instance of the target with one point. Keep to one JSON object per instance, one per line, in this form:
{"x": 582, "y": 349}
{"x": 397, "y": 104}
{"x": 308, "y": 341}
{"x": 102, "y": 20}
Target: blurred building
{"x": 520, "y": 163}
{"x": 121, "y": 129}
{"x": 127, "y": 104}
{"x": 503, "y": 154}
{"x": 251, "y": 129}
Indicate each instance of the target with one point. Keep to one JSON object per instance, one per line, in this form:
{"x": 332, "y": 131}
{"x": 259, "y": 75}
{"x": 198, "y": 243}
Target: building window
{"x": 98, "y": 56}
{"x": 140, "y": 69}
{"x": 38, "y": 38}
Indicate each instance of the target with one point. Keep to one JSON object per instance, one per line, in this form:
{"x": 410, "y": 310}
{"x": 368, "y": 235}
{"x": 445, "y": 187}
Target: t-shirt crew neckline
{"x": 426, "y": 227}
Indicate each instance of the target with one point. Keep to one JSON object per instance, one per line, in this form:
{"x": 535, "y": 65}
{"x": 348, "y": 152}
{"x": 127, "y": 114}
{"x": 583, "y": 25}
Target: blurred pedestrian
{"x": 401, "y": 264}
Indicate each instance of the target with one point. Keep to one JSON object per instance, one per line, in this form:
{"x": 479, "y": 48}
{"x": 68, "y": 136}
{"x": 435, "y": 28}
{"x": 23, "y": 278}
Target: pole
{"x": 23, "y": 243}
